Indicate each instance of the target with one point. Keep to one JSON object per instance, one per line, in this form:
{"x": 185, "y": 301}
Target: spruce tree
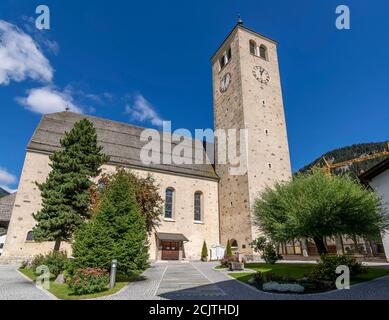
{"x": 117, "y": 231}
{"x": 65, "y": 193}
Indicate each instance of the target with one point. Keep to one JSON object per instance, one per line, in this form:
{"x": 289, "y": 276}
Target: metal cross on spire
{"x": 240, "y": 21}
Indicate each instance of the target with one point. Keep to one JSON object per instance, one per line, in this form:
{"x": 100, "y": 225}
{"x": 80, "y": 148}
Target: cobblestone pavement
{"x": 198, "y": 280}
{"x": 13, "y": 286}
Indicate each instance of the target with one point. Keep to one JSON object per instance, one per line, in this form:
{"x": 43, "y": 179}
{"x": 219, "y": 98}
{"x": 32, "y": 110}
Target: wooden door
{"x": 170, "y": 250}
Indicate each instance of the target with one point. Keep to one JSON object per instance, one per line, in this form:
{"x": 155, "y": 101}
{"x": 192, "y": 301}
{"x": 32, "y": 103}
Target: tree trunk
{"x": 321, "y": 248}
{"x": 57, "y": 244}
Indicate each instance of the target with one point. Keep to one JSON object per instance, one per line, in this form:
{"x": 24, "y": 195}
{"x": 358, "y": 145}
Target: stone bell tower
{"x": 247, "y": 95}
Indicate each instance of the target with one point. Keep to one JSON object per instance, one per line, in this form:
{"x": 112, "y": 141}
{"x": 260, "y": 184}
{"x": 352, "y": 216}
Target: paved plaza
{"x": 199, "y": 281}
{"x": 14, "y": 286}
{"x": 189, "y": 281}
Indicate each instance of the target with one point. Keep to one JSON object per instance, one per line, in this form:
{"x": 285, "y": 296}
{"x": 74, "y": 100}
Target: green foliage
{"x": 89, "y": 280}
{"x": 150, "y": 202}
{"x": 325, "y": 269}
{"x": 267, "y": 249}
{"x": 3, "y": 192}
{"x": 228, "y": 252}
{"x": 56, "y": 261}
{"x": 315, "y": 206}
{"x": 65, "y": 195}
{"x": 204, "y": 251}
{"x": 351, "y": 152}
{"x": 117, "y": 231}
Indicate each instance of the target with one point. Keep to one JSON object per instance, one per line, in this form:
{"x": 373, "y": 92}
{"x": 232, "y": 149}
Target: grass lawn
{"x": 299, "y": 270}
{"x": 62, "y": 291}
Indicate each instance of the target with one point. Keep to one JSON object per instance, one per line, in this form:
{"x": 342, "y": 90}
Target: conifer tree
{"x": 117, "y": 231}
{"x": 65, "y": 193}
{"x": 228, "y": 249}
{"x": 204, "y": 251}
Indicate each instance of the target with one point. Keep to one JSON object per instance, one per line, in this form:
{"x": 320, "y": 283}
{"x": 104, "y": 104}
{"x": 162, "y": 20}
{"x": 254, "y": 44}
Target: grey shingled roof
{"x": 6, "y": 205}
{"x": 119, "y": 140}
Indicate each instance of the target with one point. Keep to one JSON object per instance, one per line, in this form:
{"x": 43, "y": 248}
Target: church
{"x": 203, "y": 202}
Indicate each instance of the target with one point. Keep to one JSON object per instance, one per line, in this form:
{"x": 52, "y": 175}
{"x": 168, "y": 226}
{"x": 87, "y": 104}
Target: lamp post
{"x": 112, "y": 277}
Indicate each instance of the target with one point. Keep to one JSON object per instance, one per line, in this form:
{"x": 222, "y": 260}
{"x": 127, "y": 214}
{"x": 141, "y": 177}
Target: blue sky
{"x": 106, "y": 58}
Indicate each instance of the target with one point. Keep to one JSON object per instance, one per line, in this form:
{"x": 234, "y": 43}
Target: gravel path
{"x": 13, "y": 286}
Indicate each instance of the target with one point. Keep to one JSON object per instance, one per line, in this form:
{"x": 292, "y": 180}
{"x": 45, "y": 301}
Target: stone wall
{"x": 258, "y": 108}
{"x": 36, "y": 168}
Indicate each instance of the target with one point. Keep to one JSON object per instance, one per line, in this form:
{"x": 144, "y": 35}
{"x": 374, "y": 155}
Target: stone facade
{"x": 257, "y": 107}
{"x": 36, "y": 168}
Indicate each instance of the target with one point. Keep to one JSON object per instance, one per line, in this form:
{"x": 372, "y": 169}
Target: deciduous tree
{"x": 315, "y": 205}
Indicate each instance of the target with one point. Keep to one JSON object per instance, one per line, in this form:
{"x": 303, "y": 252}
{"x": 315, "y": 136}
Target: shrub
{"x": 263, "y": 277}
{"x": 227, "y": 260}
{"x": 25, "y": 264}
{"x": 56, "y": 261}
{"x": 267, "y": 249}
{"x": 89, "y": 280}
{"x": 283, "y": 287}
{"x": 204, "y": 252}
{"x": 325, "y": 269}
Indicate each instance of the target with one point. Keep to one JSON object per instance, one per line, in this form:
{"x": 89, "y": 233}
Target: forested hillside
{"x": 352, "y": 152}
{"x": 3, "y": 192}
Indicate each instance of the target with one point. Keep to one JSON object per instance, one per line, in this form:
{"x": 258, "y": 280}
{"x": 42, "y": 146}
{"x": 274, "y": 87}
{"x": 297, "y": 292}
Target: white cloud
{"x": 48, "y": 100}
{"x": 40, "y": 36}
{"x": 6, "y": 179}
{"x": 20, "y": 57}
{"x": 143, "y": 111}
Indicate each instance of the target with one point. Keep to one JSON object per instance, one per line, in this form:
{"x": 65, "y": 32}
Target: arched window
{"x": 198, "y": 206}
{"x": 253, "y": 47}
{"x": 169, "y": 199}
{"x": 29, "y": 236}
{"x": 263, "y": 51}
{"x": 234, "y": 243}
{"x": 225, "y": 58}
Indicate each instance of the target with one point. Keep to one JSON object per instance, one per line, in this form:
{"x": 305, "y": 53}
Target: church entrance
{"x": 170, "y": 250}
{"x": 170, "y": 246}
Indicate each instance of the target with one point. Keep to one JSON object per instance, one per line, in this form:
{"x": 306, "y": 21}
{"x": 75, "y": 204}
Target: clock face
{"x": 225, "y": 82}
{"x": 261, "y": 75}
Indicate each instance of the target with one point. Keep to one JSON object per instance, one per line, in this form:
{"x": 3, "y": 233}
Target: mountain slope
{"x": 3, "y": 192}
{"x": 351, "y": 152}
